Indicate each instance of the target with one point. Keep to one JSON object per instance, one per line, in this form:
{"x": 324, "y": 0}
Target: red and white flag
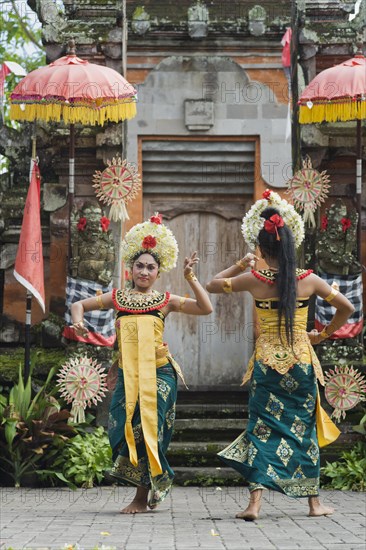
{"x": 286, "y": 49}
{"x": 29, "y": 261}
{"x": 6, "y": 68}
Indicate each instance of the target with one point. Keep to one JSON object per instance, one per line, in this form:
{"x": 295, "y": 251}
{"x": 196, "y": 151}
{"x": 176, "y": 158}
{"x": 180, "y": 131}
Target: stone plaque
{"x": 199, "y": 114}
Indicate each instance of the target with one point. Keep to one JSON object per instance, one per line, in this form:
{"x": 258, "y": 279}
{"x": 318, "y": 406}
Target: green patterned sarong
{"x": 279, "y": 449}
{"x": 123, "y": 471}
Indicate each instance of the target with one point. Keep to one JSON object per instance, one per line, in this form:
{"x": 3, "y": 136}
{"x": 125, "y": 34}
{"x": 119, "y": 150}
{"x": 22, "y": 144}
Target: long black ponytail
{"x": 281, "y": 247}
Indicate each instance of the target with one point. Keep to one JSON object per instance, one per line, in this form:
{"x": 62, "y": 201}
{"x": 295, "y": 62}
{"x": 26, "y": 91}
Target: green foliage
{"x": 20, "y": 41}
{"x": 20, "y": 37}
{"x": 348, "y": 473}
{"x": 83, "y": 460}
{"x": 361, "y": 427}
{"x": 30, "y": 429}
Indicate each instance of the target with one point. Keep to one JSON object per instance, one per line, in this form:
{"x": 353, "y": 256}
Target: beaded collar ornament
{"x": 138, "y": 302}
{"x": 253, "y": 222}
{"x": 152, "y": 237}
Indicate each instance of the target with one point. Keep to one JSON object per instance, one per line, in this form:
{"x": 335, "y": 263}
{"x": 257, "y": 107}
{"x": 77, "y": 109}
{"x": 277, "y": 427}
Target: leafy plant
{"x": 348, "y": 473}
{"x": 361, "y": 427}
{"x": 83, "y": 460}
{"x": 30, "y": 429}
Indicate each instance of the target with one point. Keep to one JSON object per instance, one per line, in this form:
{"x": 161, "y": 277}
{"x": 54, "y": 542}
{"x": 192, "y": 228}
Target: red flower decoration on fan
{"x": 324, "y": 222}
{"x": 157, "y": 218}
{"x": 149, "y": 242}
{"x": 104, "y": 222}
{"x": 346, "y": 224}
{"x": 81, "y": 224}
{"x": 266, "y": 194}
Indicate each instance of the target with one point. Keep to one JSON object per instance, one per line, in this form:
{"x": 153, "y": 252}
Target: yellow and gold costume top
{"x": 272, "y": 347}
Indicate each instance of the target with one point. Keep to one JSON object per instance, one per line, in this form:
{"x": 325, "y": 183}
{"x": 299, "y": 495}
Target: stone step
{"x": 208, "y": 429}
{"x": 195, "y": 453}
{"x": 212, "y": 410}
{"x": 207, "y": 477}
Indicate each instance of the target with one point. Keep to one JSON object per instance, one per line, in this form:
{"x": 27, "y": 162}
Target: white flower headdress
{"x": 154, "y": 238}
{"x": 253, "y": 222}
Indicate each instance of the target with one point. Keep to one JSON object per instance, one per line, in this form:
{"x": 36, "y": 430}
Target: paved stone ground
{"x": 190, "y": 518}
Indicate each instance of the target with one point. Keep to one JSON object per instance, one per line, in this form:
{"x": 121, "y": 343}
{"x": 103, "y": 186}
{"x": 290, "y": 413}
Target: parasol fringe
{"x": 332, "y": 112}
{"x": 71, "y": 115}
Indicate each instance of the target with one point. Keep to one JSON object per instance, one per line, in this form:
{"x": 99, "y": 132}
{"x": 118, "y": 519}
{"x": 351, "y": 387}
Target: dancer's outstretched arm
{"x": 233, "y": 279}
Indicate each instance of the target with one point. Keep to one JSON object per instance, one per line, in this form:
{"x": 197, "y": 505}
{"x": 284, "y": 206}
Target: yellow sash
{"x": 137, "y": 347}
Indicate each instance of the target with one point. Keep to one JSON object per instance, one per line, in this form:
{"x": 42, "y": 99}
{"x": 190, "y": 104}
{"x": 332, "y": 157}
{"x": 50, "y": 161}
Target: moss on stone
{"x": 42, "y": 360}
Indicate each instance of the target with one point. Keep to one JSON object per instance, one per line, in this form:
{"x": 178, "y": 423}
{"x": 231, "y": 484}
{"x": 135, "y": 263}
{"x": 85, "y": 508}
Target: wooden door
{"x": 213, "y": 350}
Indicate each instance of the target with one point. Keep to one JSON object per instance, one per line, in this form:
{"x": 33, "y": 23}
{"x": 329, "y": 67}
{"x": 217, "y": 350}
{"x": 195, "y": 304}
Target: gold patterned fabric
{"x": 141, "y": 430}
{"x": 271, "y": 346}
{"x": 279, "y": 448}
{"x": 123, "y": 471}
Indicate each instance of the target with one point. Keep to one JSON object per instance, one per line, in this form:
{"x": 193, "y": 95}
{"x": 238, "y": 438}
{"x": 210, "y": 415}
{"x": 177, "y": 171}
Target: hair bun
{"x": 269, "y": 212}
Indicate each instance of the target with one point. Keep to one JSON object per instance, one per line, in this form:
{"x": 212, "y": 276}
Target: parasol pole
{"x": 71, "y": 51}
{"x": 121, "y": 272}
{"x": 359, "y": 53}
{"x": 294, "y": 49}
{"x": 359, "y": 185}
{"x": 71, "y": 187}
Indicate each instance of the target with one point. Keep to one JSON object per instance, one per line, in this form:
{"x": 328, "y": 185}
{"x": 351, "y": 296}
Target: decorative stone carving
{"x": 257, "y": 20}
{"x": 337, "y": 245}
{"x": 199, "y": 114}
{"x": 140, "y": 21}
{"x": 198, "y": 18}
{"x": 92, "y": 245}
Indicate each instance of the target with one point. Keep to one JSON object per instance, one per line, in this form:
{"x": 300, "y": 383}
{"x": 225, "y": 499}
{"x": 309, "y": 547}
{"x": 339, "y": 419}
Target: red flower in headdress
{"x": 157, "y": 218}
{"x": 346, "y": 224}
{"x": 266, "y": 194}
{"x": 104, "y": 222}
{"x": 272, "y": 225}
{"x": 324, "y": 223}
{"x": 149, "y": 242}
{"x": 81, "y": 224}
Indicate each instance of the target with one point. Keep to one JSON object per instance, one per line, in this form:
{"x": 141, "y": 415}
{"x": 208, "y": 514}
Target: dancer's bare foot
{"x": 251, "y": 513}
{"x": 316, "y": 508}
{"x": 139, "y": 503}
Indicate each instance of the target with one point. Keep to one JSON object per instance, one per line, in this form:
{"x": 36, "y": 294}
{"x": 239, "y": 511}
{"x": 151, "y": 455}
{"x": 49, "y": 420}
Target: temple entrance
{"x": 196, "y": 186}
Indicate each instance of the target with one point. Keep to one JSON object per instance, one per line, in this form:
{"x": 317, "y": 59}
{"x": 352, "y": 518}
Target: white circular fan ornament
{"x": 344, "y": 388}
{"x": 116, "y": 185}
{"x": 82, "y": 382}
{"x": 308, "y": 188}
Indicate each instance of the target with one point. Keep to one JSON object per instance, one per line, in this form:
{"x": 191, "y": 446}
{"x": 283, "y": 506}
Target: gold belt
{"x": 281, "y": 357}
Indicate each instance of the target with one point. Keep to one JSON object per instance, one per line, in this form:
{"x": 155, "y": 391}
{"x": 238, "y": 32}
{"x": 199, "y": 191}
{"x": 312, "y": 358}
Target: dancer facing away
{"x": 142, "y": 410}
{"x": 279, "y": 449}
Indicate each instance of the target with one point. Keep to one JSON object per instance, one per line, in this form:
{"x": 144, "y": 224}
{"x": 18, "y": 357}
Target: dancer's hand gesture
{"x": 189, "y": 263}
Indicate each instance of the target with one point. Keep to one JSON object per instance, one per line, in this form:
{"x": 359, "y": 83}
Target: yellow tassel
{"x": 332, "y": 112}
{"x": 71, "y": 115}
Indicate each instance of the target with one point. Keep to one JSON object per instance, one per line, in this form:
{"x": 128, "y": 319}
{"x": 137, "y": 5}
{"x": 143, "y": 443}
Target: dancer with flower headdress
{"x": 279, "y": 449}
{"x": 142, "y": 410}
